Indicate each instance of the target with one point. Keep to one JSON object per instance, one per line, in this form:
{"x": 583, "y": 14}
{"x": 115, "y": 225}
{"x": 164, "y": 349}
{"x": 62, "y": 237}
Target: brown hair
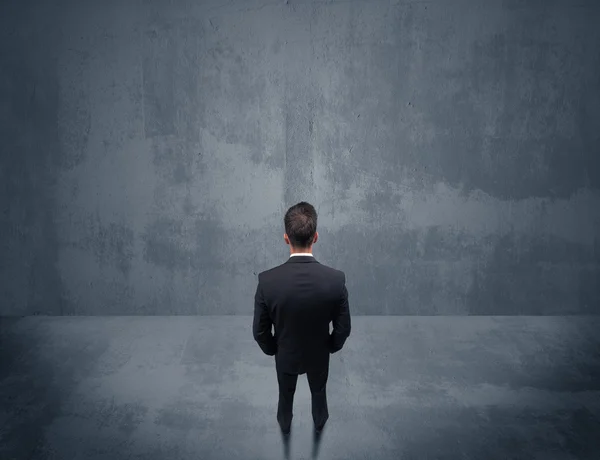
{"x": 301, "y": 224}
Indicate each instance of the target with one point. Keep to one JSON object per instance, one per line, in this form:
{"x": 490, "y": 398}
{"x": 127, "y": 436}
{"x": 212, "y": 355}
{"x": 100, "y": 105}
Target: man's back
{"x": 302, "y": 296}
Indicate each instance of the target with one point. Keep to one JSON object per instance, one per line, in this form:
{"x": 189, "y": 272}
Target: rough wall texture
{"x": 150, "y": 149}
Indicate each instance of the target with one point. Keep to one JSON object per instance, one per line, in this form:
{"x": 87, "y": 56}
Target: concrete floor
{"x": 200, "y": 388}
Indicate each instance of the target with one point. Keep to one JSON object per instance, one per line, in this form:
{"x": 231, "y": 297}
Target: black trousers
{"x": 317, "y": 381}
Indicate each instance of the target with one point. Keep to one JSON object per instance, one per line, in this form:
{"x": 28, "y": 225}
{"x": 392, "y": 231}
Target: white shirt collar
{"x": 301, "y": 254}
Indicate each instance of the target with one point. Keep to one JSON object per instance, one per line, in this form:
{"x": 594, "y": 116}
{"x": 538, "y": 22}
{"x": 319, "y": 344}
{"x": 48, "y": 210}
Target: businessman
{"x": 300, "y": 298}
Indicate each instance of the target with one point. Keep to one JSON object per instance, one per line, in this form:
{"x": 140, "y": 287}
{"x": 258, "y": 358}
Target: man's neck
{"x": 301, "y": 251}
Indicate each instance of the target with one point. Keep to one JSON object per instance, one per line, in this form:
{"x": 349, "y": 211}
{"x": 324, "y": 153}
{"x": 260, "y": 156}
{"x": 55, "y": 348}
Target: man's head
{"x": 301, "y": 227}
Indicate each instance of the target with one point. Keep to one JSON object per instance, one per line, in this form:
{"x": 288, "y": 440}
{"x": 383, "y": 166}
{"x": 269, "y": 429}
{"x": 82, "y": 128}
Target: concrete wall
{"x": 151, "y": 148}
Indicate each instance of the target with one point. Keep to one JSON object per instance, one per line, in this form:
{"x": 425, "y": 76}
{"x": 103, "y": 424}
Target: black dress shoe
{"x": 318, "y": 429}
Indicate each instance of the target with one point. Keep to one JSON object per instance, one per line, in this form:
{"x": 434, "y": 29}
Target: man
{"x": 300, "y": 298}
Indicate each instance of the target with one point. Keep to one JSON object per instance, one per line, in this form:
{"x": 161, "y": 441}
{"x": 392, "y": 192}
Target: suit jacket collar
{"x": 300, "y": 259}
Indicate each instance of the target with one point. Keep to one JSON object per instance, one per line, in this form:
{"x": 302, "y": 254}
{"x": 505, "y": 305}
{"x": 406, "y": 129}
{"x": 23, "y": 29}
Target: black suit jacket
{"x": 300, "y": 298}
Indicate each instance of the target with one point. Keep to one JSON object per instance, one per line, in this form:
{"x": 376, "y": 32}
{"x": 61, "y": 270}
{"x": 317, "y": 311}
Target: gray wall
{"x": 151, "y": 148}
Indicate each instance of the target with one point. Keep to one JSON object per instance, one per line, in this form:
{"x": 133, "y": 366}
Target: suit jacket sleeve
{"x": 341, "y": 322}
{"x": 261, "y": 327}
